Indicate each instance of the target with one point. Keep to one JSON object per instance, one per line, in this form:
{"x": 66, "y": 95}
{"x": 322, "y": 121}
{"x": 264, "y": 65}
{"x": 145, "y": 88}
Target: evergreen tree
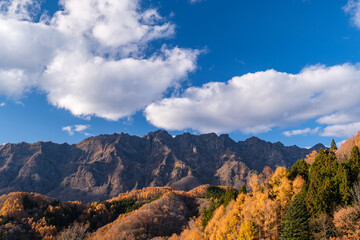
{"x": 295, "y": 224}
{"x": 333, "y": 145}
{"x": 206, "y": 214}
{"x": 327, "y": 184}
{"x": 299, "y": 168}
{"x": 353, "y": 165}
{"x": 342, "y": 178}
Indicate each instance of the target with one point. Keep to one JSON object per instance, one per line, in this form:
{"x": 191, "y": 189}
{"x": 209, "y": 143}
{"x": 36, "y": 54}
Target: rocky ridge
{"x": 101, "y": 167}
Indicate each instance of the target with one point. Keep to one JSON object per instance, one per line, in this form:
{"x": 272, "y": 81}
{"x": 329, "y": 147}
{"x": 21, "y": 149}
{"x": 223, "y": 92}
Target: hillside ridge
{"x": 103, "y": 166}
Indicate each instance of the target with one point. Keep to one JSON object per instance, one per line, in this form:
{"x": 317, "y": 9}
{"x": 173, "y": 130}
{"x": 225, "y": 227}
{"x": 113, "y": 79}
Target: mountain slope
{"x": 139, "y": 214}
{"x": 103, "y": 166}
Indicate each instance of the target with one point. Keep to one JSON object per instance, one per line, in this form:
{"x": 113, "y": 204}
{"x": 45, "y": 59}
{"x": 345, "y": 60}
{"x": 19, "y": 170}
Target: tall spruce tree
{"x": 333, "y": 145}
{"x": 299, "y": 168}
{"x": 295, "y": 224}
{"x": 353, "y": 165}
{"x": 327, "y": 184}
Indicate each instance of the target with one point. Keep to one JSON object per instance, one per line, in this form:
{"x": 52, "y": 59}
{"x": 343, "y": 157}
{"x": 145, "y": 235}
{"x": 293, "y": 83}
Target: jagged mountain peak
{"x": 318, "y": 146}
{"x": 159, "y": 134}
{"x": 103, "y": 166}
{"x": 254, "y": 139}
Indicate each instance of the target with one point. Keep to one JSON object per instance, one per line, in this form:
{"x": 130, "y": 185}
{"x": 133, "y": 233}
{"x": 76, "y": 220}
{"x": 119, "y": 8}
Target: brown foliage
{"x": 199, "y": 191}
{"x": 343, "y": 153}
{"x": 145, "y": 193}
{"x": 77, "y": 231}
{"x": 255, "y": 215}
{"x": 345, "y": 150}
{"x": 267, "y": 171}
{"x": 192, "y": 232}
{"x": 323, "y": 226}
{"x": 162, "y": 217}
{"x": 347, "y": 219}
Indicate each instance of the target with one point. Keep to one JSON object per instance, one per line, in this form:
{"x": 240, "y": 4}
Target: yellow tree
{"x": 297, "y": 184}
{"x": 247, "y": 231}
{"x": 310, "y": 158}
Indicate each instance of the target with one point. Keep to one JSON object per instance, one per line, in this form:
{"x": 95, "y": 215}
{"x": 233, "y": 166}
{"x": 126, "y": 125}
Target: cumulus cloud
{"x": 20, "y": 9}
{"x": 257, "y": 102}
{"x": 89, "y": 58}
{"x": 71, "y": 130}
{"x": 112, "y": 24}
{"x": 301, "y": 132}
{"x": 112, "y": 89}
{"x": 353, "y": 8}
{"x": 25, "y": 50}
{"x": 341, "y": 130}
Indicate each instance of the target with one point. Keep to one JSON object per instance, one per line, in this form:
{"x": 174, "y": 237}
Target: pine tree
{"x": 353, "y": 165}
{"x": 333, "y": 145}
{"x": 342, "y": 178}
{"x": 299, "y": 168}
{"x": 355, "y": 155}
{"x": 295, "y": 224}
{"x": 323, "y": 183}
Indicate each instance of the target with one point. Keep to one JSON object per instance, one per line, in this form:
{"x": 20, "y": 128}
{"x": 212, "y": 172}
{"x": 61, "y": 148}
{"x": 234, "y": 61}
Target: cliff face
{"x": 102, "y": 167}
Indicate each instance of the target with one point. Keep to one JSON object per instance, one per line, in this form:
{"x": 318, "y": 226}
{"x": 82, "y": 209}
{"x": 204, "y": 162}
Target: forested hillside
{"x": 317, "y": 198}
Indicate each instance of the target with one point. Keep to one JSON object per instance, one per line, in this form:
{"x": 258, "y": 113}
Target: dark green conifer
{"x": 327, "y": 183}
{"x": 353, "y": 165}
{"x": 206, "y": 214}
{"x": 342, "y": 178}
{"x": 299, "y": 168}
{"x": 295, "y": 225}
{"x": 333, "y": 145}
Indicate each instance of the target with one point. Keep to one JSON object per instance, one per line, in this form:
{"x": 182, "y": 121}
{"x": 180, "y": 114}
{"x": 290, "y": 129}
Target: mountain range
{"x": 101, "y": 167}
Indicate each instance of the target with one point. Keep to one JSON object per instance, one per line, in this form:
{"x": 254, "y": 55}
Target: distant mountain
{"x": 101, "y": 167}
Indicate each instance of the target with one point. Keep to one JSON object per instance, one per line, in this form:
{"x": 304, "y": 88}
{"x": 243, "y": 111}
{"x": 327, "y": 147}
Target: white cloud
{"x": 257, "y": 102}
{"x": 113, "y": 89}
{"x": 3, "y": 104}
{"x": 13, "y": 82}
{"x": 341, "y": 130}
{"x": 113, "y": 23}
{"x": 89, "y": 58}
{"x": 25, "y": 50}
{"x": 81, "y": 128}
{"x": 353, "y": 8}
{"x": 301, "y": 132}
{"x": 71, "y": 130}
{"x": 336, "y": 118}
{"x": 20, "y": 9}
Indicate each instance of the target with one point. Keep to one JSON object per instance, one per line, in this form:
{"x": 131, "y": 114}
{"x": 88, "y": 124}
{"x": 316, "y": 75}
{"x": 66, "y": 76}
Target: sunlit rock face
{"x": 101, "y": 167}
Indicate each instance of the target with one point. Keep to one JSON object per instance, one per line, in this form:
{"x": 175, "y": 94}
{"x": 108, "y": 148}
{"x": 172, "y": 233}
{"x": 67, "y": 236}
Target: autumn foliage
{"x": 317, "y": 198}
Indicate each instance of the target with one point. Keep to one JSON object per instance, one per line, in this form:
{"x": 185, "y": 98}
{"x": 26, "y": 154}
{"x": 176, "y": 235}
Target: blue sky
{"x": 281, "y": 70}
